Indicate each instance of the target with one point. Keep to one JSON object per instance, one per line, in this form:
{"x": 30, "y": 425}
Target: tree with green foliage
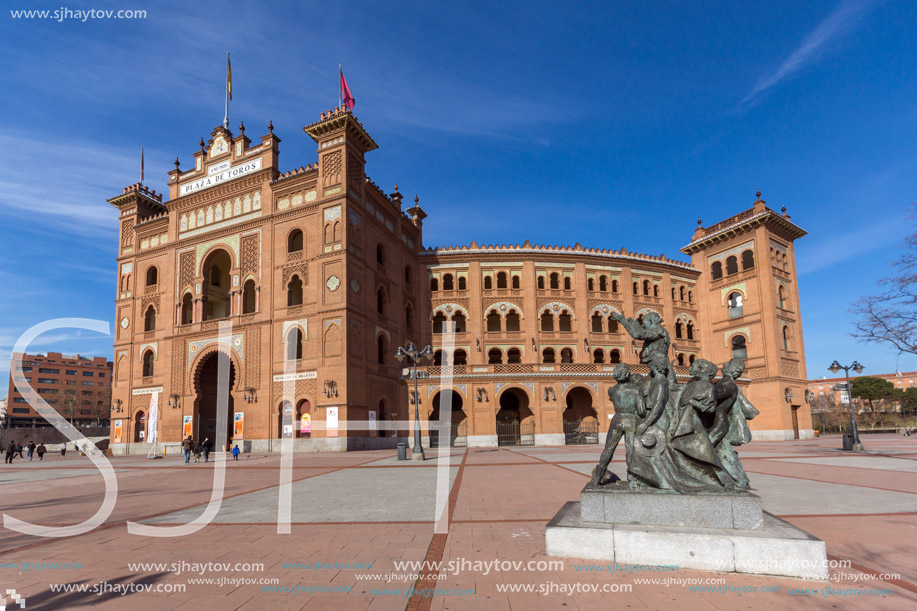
{"x": 872, "y": 389}
{"x": 909, "y": 400}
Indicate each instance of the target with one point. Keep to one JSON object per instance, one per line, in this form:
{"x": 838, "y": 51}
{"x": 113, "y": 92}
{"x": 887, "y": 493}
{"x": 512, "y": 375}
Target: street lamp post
{"x": 854, "y": 433}
{"x": 414, "y": 354}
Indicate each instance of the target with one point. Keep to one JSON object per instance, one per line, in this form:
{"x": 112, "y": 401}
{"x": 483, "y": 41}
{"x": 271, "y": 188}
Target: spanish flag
{"x": 228, "y": 77}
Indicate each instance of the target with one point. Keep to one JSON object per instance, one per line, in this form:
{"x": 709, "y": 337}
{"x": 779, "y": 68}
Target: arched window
{"x": 408, "y": 276}
{"x": 548, "y": 355}
{"x": 598, "y": 356}
{"x": 734, "y": 302}
{"x": 380, "y": 254}
{"x": 612, "y": 325}
{"x": 636, "y": 288}
{"x": 640, "y": 318}
{"x": 781, "y": 297}
{"x": 147, "y": 363}
{"x": 187, "y": 309}
{"x": 512, "y": 321}
{"x": 716, "y": 270}
{"x": 460, "y": 357}
{"x": 488, "y": 283}
{"x": 459, "y": 319}
{"x": 738, "y": 347}
{"x": 566, "y": 355}
{"x": 590, "y": 284}
{"x": 690, "y": 296}
{"x": 786, "y": 262}
{"x": 691, "y": 359}
{"x": 438, "y": 358}
{"x": 567, "y": 284}
{"x": 294, "y": 292}
{"x": 614, "y": 356}
{"x": 603, "y": 284}
{"x": 152, "y": 276}
{"x": 438, "y": 319}
{"x": 294, "y": 344}
{"x": 494, "y": 356}
{"x": 382, "y": 347}
{"x": 679, "y": 329}
{"x": 447, "y": 283}
{"x": 748, "y": 259}
{"x": 248, "y": 297}
{"x": 614, "y": 286}
{"x": 547, "y": 321}
{"x": 515, "y": 282}
{"x": 597, "y": 323}
{"x": 565, "y": 321}
{"x": 380, "y": 300}
{"x": 462, "y": 284}
{"x": 434, "y": 285}
{"x": 494, "y": 321}
{"x": 786, "y": 338}
{"x": 646, "y": 287}
{"x": 149, "y": 319}
{"x": 409, "y": 317}
{"x": 139, "y": 427}
{"x": 673, "y": 293}
{"x": 513, "y": 355}
{"x": 732, "y": 265}
{"x": 681, "y": 293}
{"x": 216, "y": 286}
{"x": 690, "y": 330}
{"x": 541, "y": 282}
{"x": 655, "y": 290}
{"x": 555, "y": 281}
{"x": 294, "y": 241}
{"x": 681, "y": 359}
{"x": 501, "y": 280}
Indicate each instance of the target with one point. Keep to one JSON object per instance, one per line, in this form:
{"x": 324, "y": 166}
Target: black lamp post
{"x": 854, "y": 433}
{"x": 414, "y": 354}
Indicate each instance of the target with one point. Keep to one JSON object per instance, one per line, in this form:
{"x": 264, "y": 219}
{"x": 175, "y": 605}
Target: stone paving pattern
{"x": 368, "y": 507}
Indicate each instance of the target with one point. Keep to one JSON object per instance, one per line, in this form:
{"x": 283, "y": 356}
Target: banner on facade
{"x": 238, "y": 425}
{"x": 118, "y": 425}
{"x": 372, "y": 423}
{"x": 305, "y": 424}
{"x": 186, "y": 426}
{"x": 152, "y": 423}
{"x": 331, "y": 422}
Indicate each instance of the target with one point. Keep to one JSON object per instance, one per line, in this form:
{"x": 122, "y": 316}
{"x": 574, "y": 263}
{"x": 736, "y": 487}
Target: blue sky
{"x": 556, "y": 123}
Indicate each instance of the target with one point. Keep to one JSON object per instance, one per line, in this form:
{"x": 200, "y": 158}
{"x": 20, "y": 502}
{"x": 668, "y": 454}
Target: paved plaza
{"x": 353, "y": 510}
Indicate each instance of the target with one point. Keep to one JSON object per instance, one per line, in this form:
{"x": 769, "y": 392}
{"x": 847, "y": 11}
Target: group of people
{"x": 189, "y": 447}
{"x": 15, "y": 448}
{"x": 677, "y": 437}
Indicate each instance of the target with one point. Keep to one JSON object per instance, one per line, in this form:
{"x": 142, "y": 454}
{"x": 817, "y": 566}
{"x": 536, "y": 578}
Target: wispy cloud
{"x": 848, "y": 244}
{"x": 813, "y": 46}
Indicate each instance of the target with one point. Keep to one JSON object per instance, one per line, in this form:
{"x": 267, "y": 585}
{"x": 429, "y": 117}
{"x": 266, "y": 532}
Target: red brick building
{"x": 320, "y": 266}
{"x": 78, "y": 387}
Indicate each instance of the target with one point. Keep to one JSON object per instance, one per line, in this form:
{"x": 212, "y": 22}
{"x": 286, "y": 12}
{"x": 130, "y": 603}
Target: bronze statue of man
{"x": 655, "y": 337}
{"x": 730, "y": 425}
{"x": 627, "y": 397}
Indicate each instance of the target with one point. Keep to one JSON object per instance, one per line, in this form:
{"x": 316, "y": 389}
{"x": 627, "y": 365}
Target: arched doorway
{"x": 581, "y": 423}
{"x": 139, "y": 427}
{"x": 303, "y": 424}
{"x": 207, "y": 386}
{"x": 515, "y": 421}
{"x": 216, "y": 271}
{"x": 285, "y": 420}
{"x": 458, "y": 428}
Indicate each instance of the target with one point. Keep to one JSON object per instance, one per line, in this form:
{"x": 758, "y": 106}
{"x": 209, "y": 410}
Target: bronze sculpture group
{"x": 677, "y": 437}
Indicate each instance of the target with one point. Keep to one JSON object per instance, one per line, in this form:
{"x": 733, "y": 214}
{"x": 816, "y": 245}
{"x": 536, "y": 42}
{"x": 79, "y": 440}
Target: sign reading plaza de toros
{"x": 222, "y": 175}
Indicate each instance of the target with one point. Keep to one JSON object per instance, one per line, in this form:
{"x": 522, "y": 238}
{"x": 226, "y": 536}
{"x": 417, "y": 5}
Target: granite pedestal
{"x": 713, "y": 532}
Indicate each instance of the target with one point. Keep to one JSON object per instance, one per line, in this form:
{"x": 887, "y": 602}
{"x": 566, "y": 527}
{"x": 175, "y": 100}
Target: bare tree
{"x": 890, "y": 317}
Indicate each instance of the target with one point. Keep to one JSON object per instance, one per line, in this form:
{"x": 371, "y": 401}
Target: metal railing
{"x": 581, "y": 432}
{"x": 515, "y": 433}
{"x": 458, "y": 435}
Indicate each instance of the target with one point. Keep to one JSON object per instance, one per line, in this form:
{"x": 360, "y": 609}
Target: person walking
{"x": 187, "y": 445}
{"x": 19, "y": 450}
{"x": 10, "y": 452}
{"x": 235, "y": 452}
{"x": 205, "y": 448}
{"x": 63, "y": 449}
{"x": 31, "y": 448}
{"x": 41, "y": 449}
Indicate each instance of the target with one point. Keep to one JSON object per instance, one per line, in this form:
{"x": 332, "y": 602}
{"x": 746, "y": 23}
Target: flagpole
{"x": 141, "y": 165}
{"x": 340, "y": 87}
{"x": 226, "y": 115}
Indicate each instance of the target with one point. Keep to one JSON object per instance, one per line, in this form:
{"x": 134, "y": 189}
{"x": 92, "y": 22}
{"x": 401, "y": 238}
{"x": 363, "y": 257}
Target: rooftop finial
{"x": 270, "y": 126}
{"x": 242, "y": 127}
{"x": 699, "y": 222}
{"x": 416, "y": 199}
{"x": 396, "y": 187}
{"x": 176, "y": 163}
{"x": 783, "y": 210}
{"x": 202, "y": 144}
{"x": 758, "y": 194}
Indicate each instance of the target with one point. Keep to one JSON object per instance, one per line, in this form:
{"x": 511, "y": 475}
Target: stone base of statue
{"x": 714, "y": 532}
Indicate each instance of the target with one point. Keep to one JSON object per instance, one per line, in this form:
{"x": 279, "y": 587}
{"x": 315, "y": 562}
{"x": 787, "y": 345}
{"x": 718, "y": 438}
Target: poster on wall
{"x": 305, "y": 424}
{"x": 238, "y": 425}
{"x": 373, "y": 432}
{"x": 331, "y": 422}
{"x": 186, "y": 426}
{"x": 118, "y": 425}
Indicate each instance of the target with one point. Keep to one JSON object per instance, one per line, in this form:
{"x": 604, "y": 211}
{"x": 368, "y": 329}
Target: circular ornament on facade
{"x": 310, "y": 196}
{"x": 556, "y": 307}
{"x": 237, "y": 341}
{"x": 448, "y": 309}
{"x": 333, "y": 283}
{"x": 503, "y": 307}
{"x": 605, "y": 309}
{"x": 125, "y": 322}
{"x": 355, "y": 286}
